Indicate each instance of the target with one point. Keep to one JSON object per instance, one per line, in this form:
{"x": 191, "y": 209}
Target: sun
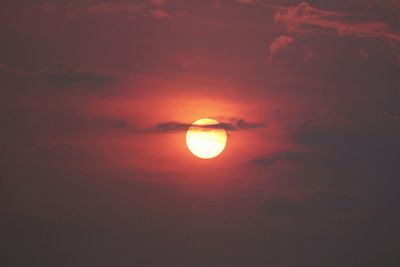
{"x": 206, "y": 138}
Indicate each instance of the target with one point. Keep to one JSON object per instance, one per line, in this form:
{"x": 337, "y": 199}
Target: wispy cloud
{"x": 61, "y": 78}
{"x": 246, "y": 2}
{"x": 115, "y": 8}
{"x": 304, "y": 19}
{"x": 317, "y": 203}
{"x": 8, "y": 70}
{"x": 48, "y": 7}
{"x": 232, "y": 125}
{"x": 280, "y": 43}
{"x": 276, "y": 157}
{"x": 151, "y": 9}
{"x": 157, "y": 2}
{"x": 159, "y": 14}
{"x": 70, "y": 77}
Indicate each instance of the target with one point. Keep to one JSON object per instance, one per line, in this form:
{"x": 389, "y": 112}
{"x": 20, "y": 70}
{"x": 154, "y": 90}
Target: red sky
{"x": 95, "y": 169}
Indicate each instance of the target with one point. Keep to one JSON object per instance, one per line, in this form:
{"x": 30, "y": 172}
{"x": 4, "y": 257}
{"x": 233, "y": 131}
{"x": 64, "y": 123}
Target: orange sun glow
{"x": 206, "y": 139}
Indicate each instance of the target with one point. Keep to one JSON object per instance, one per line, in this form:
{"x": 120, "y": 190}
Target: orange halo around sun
{"x": 205, "y": 139}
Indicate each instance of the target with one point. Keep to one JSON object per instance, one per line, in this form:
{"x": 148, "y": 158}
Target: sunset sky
{"x": 96, "y": 97}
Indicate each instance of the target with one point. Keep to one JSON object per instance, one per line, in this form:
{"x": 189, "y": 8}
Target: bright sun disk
{"x": 206, "y": 138}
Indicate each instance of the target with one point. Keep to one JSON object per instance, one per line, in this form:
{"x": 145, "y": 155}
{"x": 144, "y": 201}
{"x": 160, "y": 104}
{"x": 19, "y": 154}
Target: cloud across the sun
{"x": 233, "y": 124}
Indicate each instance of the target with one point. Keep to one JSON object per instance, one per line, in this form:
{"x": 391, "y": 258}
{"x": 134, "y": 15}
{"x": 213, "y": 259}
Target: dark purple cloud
{"x": 233, "y": 125}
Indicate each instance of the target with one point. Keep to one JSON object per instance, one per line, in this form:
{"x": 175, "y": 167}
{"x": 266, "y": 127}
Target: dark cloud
{"x": 280, "y": 43}
{"x": 48, "y": 7}
{"x": 335, "y": 131}
{"x": 281, "y": 156}
{"x": 242, "y": 124}
{"x": 353, "y": 156}
{"x": 318, "y": 203}
{"x": 115, "y": 8}
{"x": 305, "y": 19}
{"x": 8, "y": 70}
{"x": 60, "y": 152}
{"x": 246, "y": 2}
{"x": 69, "y": 78}
{"x": 121, "y": 124}
{"x": 157, "y": 2}
{"x": 137, "y": 10}
{"x": 159, "y": 14}
{"x": 60, "y": 79}
{"x": 232, "y": 125}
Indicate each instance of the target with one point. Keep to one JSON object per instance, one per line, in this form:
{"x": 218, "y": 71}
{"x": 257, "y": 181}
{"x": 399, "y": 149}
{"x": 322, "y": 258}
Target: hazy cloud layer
{"x": 232, "y": 125}
{"x": 280, "y": 43}
{"x": 115, "y": 8}
{"x": 61, "y": 78}
{"x": 281, "y": 156}
{"x": 139, "y": 9}
{"x": 305, "y": 19}
{"x": 159, "y": 14}
{"x": 317, "y": 204}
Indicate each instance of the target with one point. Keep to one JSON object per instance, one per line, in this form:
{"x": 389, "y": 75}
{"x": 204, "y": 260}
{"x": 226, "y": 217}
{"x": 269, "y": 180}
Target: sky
{"x": 95, "y": 99}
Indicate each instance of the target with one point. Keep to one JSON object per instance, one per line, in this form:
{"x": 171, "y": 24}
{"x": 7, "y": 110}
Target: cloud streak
{"x": 233, "y": 125}
{"x": 276, "y": 157}
{"x": 280, "y": 43}
{"x": 115, "y": 8}
{"x": 67, "y": 78}
{"x": 61, "y": 78}
{"x": 317, "y": 203}
{"x": 305, "y": 19}
{"x": 159, "y": 14}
